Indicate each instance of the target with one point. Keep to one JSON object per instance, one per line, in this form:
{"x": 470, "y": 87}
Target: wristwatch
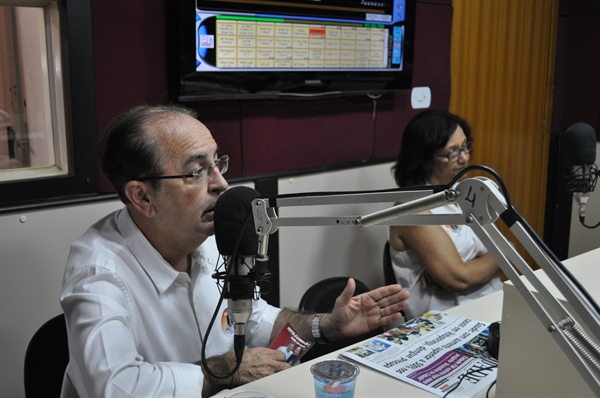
{"x": 317, "y": 333}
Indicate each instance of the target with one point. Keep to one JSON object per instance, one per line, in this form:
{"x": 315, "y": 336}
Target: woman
{"x": 441, "y": 266}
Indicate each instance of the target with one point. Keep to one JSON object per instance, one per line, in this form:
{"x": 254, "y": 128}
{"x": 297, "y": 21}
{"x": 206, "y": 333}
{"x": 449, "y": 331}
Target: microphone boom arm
{"x": 481, "y": 204}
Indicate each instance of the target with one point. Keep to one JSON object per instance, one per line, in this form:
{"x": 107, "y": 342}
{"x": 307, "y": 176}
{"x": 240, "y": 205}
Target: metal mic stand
{"x": 482, "y": 204}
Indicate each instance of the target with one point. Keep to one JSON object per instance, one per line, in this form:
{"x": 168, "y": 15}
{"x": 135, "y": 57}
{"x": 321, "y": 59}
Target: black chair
{"x": 320, "y": 297}
{"x": 46, "y": 359}
{"x": 388, "y": 272}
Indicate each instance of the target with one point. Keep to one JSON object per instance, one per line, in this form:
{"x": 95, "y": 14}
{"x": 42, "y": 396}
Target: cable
{"x": 582, "y": 221}
{"x": 487, "y": 393}
{"x": 212, "y": 321}
{"x": 488, "y": 170}
{"x": 579, "y": 342}
{"x": 461, "y": 377}
{"x": 532, "y": 234}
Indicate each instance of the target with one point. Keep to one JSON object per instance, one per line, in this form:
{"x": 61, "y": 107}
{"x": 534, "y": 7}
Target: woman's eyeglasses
{"x": 199, "y": 176}
{"x": 454, "y": 154}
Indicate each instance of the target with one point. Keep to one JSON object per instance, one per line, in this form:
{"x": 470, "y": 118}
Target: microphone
{"x": 238, "y": 244}
{"x": 580, "y": 152}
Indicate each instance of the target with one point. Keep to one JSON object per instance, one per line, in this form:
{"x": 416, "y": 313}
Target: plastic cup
{"x": 334, "y": 378}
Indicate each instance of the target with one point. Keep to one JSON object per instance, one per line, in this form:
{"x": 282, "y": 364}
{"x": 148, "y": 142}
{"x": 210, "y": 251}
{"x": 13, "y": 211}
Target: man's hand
{"x": 353, "y": 316}
{"x": 260, "y": 362}
{"x": 256, "y": 364}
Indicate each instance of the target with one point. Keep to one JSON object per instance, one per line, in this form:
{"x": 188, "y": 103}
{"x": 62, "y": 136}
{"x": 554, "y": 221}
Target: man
{"x": 138, "y": 293}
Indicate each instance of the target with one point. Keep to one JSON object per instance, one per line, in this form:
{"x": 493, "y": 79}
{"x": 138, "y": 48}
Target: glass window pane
{"x": 33, "y": 139}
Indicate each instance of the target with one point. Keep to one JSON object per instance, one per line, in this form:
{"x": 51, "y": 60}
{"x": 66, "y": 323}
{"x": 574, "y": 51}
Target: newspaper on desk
{"x": 433, "y": 352}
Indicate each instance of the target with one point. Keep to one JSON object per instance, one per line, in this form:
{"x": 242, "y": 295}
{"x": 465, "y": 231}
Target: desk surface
{"x": 298, "y": 381}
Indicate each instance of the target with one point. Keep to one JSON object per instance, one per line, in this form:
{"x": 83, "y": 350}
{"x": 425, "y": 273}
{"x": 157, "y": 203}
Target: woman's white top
{"x": 408, "y": 269}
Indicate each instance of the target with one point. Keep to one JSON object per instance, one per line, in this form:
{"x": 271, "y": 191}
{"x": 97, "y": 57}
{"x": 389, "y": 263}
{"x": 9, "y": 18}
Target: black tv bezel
{"x": 197, "y": 86}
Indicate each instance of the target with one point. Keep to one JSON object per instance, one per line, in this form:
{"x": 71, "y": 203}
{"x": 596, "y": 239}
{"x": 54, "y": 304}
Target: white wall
{"x": 33, "y": 252}
{"x": 33, "y": 255}
{"x": 310, "y": 254}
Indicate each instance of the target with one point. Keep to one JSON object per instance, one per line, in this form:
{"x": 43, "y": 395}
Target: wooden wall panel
{"x": 502, "y": 69}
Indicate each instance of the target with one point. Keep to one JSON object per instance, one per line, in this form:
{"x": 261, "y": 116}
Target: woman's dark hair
{"x": 424, "y": 135}
{"x": 128, "y": 151}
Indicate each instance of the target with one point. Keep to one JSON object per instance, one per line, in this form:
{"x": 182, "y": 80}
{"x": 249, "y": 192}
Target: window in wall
{"x": 48, "y": 136}
{"x": 33, "y": 134}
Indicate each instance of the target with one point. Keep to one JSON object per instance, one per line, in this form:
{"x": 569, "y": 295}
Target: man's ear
{"x": 138, "y": 194}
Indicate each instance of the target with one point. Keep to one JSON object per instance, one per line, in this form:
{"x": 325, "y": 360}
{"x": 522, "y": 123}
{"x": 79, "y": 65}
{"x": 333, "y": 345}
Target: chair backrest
{"x": 388, "y": 271}
{"x": 320, "y": 297}
{"x": 46, "y": 359}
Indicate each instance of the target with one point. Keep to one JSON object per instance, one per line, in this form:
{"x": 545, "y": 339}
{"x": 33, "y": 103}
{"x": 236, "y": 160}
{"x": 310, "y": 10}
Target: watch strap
{"x": 316, "y": 331}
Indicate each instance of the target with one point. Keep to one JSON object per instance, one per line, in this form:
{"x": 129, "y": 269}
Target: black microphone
{"x": 238, "y": 244}
{"x": 580, "y": 152}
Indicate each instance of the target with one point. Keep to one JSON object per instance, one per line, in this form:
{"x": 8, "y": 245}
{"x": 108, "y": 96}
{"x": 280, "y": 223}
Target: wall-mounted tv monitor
{"x": 258, "y": 49}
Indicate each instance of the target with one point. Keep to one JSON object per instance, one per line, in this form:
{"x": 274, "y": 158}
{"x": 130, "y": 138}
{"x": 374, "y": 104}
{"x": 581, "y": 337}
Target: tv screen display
{"x": 296, "y": 49}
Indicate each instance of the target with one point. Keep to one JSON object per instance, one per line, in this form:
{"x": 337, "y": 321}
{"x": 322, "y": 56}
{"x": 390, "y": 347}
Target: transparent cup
{"x": 334, "y": 378}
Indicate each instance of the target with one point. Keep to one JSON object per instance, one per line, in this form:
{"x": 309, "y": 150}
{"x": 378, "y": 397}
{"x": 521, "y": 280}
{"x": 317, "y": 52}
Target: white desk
{"x": 298, "y": 381}
{"x": 526, "y": 346}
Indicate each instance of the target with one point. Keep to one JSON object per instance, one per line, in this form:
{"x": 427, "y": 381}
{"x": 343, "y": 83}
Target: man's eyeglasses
{"x": 453, "y": 155}
{"x": 199, "y": 176}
